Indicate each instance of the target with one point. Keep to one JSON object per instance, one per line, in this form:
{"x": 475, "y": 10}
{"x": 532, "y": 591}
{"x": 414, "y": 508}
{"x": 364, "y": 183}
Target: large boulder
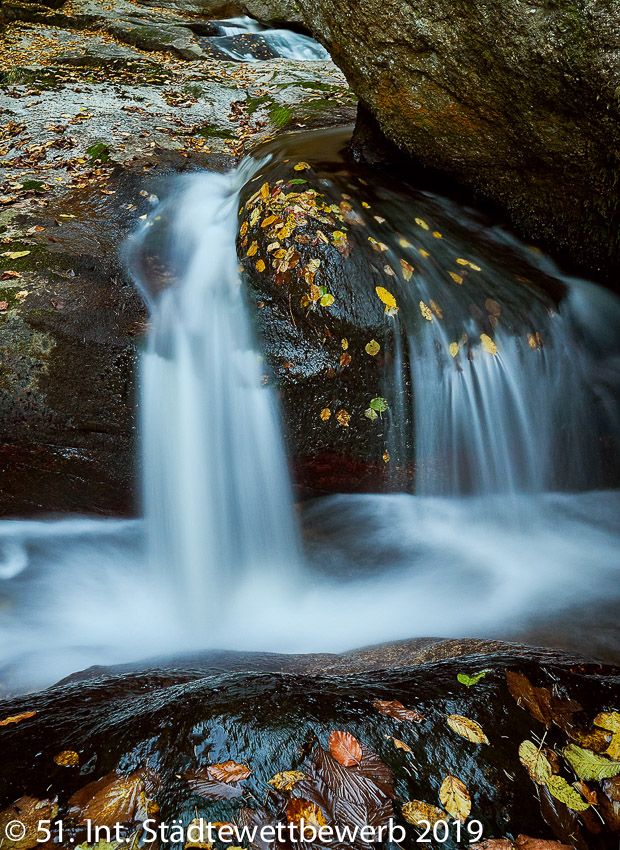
{"x": 520, "y": 102}
{"x": 490, "y": 733}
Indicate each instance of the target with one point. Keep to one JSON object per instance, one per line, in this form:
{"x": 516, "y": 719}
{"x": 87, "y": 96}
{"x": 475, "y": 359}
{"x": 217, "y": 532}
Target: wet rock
{"x": 164, "y": 728}
{"x": 517, "y": 102}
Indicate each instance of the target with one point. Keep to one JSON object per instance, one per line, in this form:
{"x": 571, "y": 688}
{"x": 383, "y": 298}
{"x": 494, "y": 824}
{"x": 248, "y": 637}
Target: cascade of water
{"x": 217, "y": 496}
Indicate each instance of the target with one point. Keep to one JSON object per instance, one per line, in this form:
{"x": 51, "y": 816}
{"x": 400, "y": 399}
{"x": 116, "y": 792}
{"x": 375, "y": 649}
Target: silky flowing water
{"x": 510, "y": 526}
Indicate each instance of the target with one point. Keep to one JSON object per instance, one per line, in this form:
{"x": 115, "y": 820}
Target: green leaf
{"x": 464, "y": 679}
{"x": 37, "y": 185}
{"x": 588, "y": 765}
{"x": 99, "y": 152}
{"x": 327, "y": 300}
{"x": 535, "y": 762}
{"x": 379, "y": 404}
{"x": 297, "y": 181}
{"x": 566, "y": 794}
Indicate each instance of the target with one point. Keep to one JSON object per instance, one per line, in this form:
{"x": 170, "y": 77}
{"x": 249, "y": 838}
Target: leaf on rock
{"x": 112, "y": 799}
{"x": 371, "y": 414}
{"x": 15, "y": 255}
{"x": 345, "y": 748}
{"x": 426, "y": 311}
{"x": 422, "y": 224}
{"x": 345, "y": 358}
{"x": 299, "y": 809}
{"x": 456, "y": 277}
{"x": 343, "y": 417}
{"x": 325, "y": 414}
{"x": 394, "y": 708}
{"x": 488, "y": 344}
{"x": 416, "y": 811}
{"x": 463, "y": 678}
{"x": 327, "y": 300}
{"x": 29, "y": 811}
{"x": 493, "y": 307}
{"x": 379, "y": 404}
{"x": 407, "y": 269}
{"x": 269, "y": 220}
{"x": 202, "y": 782}
{"x": 260, "y": 266}
{"x": 264, "y": 191}
{"x": 610, "y": 722}
{"x": 535, "y": 762}
{"x": 454, "y": 350}
{"x": 252, "y": 249}
{"x": 301, "y": 166}
{"x": 467, "y": 728}
{"x": 400, "y": 745}
{"x": 17, "y": 718}
{"x": 455, "y": 798}
{"x": 565, "y": 793}
{"x": 67, "y": 758}
{"x": 372, "y": 347}
{"x": 229, "y": 771}
{"x": 588, "y": 765}
{"x": 286, "y": 780}
{"x": 387, "y": 298}
{"x": 344, "y": 344}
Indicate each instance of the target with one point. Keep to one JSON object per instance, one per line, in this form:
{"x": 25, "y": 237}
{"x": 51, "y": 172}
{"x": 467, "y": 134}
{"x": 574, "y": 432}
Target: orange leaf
{"x": 345, "y": 748}
{"x": 298, "y": 810}
{"x": 17, "y": 717}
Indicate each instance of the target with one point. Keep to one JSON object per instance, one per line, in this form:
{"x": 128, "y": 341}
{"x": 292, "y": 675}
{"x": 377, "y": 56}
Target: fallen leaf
{"x": 112, "y": 799}
{"x": 264, "y": 191}
{"x": 299, "y": 809}
{"x": 535, "y": 762}
{"x": 345, "y": 748}
{"x": 415, "y": 811}
{"x": 454, "y": 350}
{"x": 467, "y": 728}
{"x": 345, "y": 358}
{"x": 29, "y": 812}
{"x": 588, "y": 765}
{"x": 455, "y": 798}
{"x": 407, "y": 269}
{"x": 463, "y": 678}
{"x": 10, "y": 275}
{"x": 488, "y": 344}
{"x": 344, "y": 343}
{"x": 4, "y": 305}
{"x": 422, "y": 224}
{"x": 372, "y": 347}
{"x": 426, "y": 311}
{"x": 260, "y": 266}
{"x": 371, "y": 414}
{"x": 286, "y": 780}
{"x": 394, "y": 708}
{"x": 386, "y": 456}
{"x": 327, "y": 300}
{"x": 325, "y": 414}
{"x": 566, "y": 794}
{"x": 343, "y": 417}
{"x": 387, "y": 298}
{"x": 610, "y": 721}
{"x": 379, "y": 404}
{"x": 456, "y": 277}
{"x": 15, "y": 255}
{"x": 400, "y": 745}
{"x": 493, "y": 307}
{"x": 67, "y": 758}
{"x": 252, "y": 249}
{"x": 437, "y": 234}
{"x": 229, "y": 771}
{"x": 301, "y": 166}
{"x": 17, "y": 718}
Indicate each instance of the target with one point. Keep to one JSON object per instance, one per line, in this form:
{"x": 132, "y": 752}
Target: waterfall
{"x": 217, "y": 495}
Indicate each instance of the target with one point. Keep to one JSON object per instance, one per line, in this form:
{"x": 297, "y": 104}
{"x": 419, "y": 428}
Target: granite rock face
{"x": 518, "y": 101}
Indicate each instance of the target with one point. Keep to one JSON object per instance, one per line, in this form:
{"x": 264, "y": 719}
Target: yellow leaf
{"x": 15, "y": 255}
{"x": 269, "y": 220}
{"x": 298, "y": 810}
{"x": 488, "y": 344}
{"x": 264, "y": 191}
{"x": 535, "y": 762}
{"x": 566, "y": 794}
{"x": 437, "y": 310}
{"x": 387, "y": 298}
{"x": 327, "y": 300}
{"x": 454, "y": 348}
{"x": 345, "y": 344}
{"x": 244, "y": 228}
{"x": 196, "y": 829}
{"x": 400, "y": 745}
{"x": 467, "y": 728}
{"x": 27, "y": 811}
{"x": 255, "y": 216}
{"x": 422, "y": 224}
{"x": 372, "y": 347}
{"x": 455, "y": 798}
{"x": 462, "y": 262}
{"x": 286, "y": 780}
{"x": 456, "y": 277}
{"x": 325, "y": 414}
{"x": 386, "y": 457}
{"x": 301, "y": 166}
{"x": 415, "y": 811}
{"x": 343, "y": 417}
{"x": 260, "y": 266}
{"x": 610, "y": 721}
{"x": 404, "y": 243}
{"x": 437, "y": 234}
{"x": 389, "y": 270}
{"x": 16, "y": 718}
{"x": 252, "y": 249}
{"x": 407, "y": 269}
{"x": 424, "y": 253}
{"x": 426, "y": 311}
{"x": 67, "y": 758}
{"x": 371, "y": 414}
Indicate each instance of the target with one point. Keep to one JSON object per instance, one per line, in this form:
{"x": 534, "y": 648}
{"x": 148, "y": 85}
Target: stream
{"x": 511, "y": 529}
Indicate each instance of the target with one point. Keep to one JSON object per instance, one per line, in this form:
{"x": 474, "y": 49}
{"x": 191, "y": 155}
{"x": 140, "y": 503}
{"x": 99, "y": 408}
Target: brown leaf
{"x": 394, "y": 708}
{"x": 16, "y": 718}
{"x": 298, "y": 809}
{"x": 113, "y": 798}
{"x": 455, "y": 798}
{"x": 229, "y": 771}
{"x": 416, "y": 811}
{"x": 202, "y": 782}
{"x": 29, "y": 811}
{"x": 345, "y": 748}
